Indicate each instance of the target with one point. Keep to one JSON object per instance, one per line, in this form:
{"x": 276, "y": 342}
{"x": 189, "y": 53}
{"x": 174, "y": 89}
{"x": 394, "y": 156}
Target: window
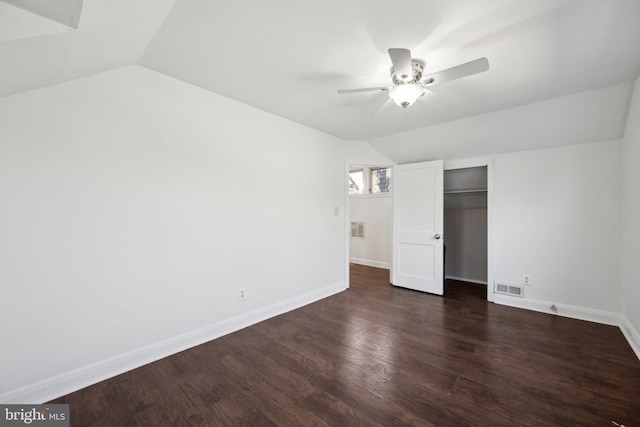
{"x": 379, "y": 180}
{"x": 370, "y": 180}
{"x": 356, "y": 181}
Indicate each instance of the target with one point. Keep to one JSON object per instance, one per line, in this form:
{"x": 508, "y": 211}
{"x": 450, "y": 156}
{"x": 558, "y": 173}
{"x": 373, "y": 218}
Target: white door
{"x": 417, "y": 261}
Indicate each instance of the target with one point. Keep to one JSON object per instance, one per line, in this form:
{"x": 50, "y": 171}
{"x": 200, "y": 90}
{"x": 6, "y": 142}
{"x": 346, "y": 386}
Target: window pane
{"x": 380, "y": 180}
{"x": 356, "y": 182}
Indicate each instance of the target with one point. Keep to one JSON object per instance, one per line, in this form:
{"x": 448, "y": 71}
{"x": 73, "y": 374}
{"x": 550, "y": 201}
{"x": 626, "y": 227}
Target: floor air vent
{"x": 514, "y": 291}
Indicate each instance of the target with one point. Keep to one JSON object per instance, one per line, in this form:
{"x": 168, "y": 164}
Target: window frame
{"x": 370, "y": 171}
{"x": 364, "y": 181}
{"x": 366, "y": 176}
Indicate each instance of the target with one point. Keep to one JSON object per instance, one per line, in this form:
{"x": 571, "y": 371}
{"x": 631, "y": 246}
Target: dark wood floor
{"x": 377, "y": 355}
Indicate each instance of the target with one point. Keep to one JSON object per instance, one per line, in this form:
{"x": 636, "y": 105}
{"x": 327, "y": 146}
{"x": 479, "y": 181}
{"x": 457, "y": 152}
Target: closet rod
{"x": 465, "y": 191}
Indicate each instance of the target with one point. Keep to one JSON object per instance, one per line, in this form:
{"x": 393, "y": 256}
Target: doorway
{"x": 466, "y": 230}
{"x": 368, "y": 214}
{"x": 449, "y": 165}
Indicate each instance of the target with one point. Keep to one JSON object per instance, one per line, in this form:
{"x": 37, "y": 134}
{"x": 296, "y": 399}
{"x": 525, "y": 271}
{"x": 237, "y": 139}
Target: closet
{"x": 465, "y": 224}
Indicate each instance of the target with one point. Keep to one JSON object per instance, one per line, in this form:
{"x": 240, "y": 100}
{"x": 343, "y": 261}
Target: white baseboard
{"x": 68, "y": 382}
{"x": 370, "y": 263}
{"x": 462, "y": 279}
{"x": 631, "y": 335}
{"x": 575, "y": 312}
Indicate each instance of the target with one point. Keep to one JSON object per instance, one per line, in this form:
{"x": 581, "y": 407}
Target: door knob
{"x": 437, "y": 236}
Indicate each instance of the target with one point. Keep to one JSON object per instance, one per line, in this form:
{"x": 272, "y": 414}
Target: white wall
{"x": 630, "y": 220}
{"x": 360, "y": 152}
{"x": 556, "y": 216}
{"x": 133, "y": 207}
{"x": 374, "y": 249}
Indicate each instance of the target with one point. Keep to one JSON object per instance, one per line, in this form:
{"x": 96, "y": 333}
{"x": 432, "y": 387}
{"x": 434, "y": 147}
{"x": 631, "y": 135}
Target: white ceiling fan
{"x": 408, "y": 81}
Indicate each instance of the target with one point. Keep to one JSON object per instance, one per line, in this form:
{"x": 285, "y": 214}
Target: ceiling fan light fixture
{"x": 406, "y": 94}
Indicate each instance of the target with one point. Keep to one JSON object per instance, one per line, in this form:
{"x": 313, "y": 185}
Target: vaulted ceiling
{"x": 36, "y": 51}
{"x": 290, "y": 57}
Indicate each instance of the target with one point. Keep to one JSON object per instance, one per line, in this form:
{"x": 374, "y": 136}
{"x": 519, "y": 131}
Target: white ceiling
{"x": 289, "y": 57}
{"x": 36, "y": 51}
{"x": 66, "y": 12}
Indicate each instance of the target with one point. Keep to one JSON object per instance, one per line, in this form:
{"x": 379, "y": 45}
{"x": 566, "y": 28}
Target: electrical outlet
{"x": 242, "y": 294}
{"x": 527, "y": 280}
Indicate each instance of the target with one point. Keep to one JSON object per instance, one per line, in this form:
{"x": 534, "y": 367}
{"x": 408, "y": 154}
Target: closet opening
{"x": 465, "y": 231}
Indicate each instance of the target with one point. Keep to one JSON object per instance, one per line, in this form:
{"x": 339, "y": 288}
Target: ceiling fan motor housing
{"x": 417, "y": 66}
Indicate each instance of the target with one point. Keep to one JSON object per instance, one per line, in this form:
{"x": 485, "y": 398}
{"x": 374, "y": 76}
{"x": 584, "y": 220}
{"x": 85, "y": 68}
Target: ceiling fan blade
{"x": 463, "y": 70}
{"x": 367, "y": 89}
{"x": 401, "y": 59}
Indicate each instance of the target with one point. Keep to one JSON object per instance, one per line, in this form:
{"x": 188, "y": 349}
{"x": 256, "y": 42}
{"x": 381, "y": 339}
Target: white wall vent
{"x": 514, "y": 291}
{"x": 357, "y": 229}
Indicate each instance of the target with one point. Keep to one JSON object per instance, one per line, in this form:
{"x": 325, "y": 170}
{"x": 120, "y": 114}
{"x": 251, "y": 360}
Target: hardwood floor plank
{"x": 377, "y": 355}
{"x": 324, "y": 372}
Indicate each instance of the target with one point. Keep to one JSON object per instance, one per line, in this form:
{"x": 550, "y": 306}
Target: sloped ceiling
{"x": 289, "y": 57}
{"x": 66, "y": 12}
{"x": 36, "y": 51}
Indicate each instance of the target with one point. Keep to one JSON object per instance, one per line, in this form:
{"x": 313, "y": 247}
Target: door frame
{"x": 479, "y": 162}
